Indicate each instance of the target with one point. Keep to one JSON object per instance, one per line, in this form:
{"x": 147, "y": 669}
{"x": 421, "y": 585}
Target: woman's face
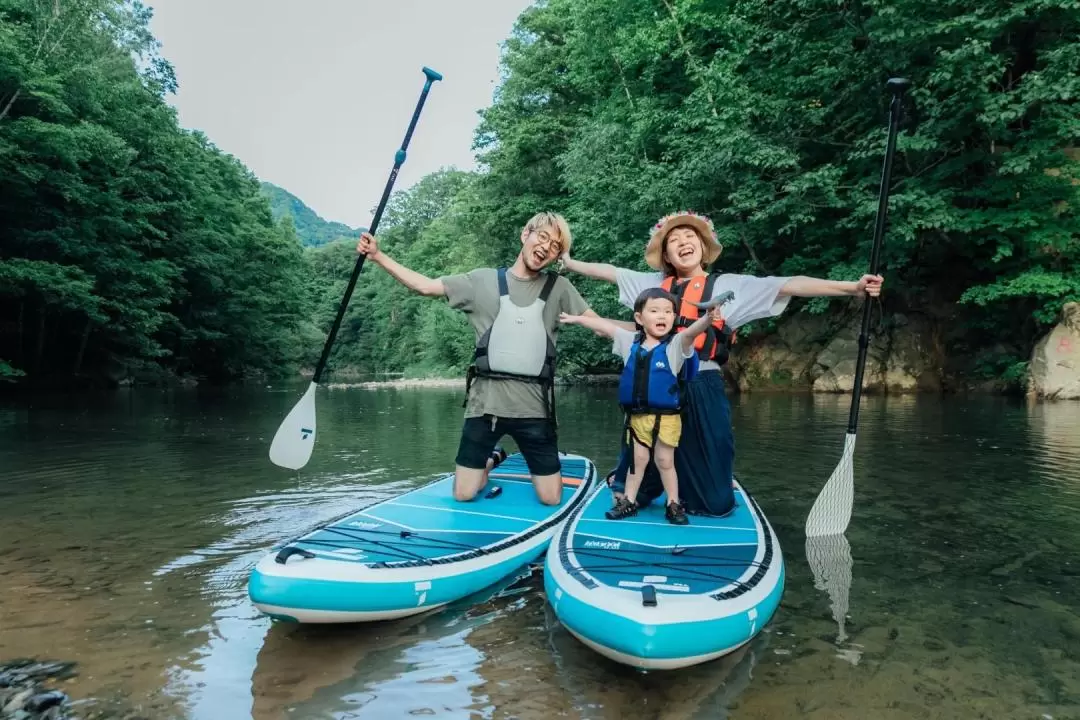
{"x": 682, "y": 250}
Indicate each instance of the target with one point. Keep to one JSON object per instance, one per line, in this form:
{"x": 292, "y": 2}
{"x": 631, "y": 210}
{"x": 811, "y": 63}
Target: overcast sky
{"x": 316, "y": 95}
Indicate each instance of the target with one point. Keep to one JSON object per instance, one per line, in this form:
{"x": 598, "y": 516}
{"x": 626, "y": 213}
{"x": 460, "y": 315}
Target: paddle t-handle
{"x": 295, "y": 438}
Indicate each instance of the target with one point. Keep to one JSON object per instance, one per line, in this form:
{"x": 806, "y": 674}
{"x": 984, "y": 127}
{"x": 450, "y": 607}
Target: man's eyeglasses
{"x": 548, "y": 242}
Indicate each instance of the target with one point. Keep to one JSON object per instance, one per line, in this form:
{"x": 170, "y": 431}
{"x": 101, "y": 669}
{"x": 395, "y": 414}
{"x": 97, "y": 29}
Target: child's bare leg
{"x": 633, "y": 480}
{"x": 664, "y": 457}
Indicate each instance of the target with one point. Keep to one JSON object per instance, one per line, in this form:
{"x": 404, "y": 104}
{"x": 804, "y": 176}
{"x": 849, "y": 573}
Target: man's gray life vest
{"x": 517, "y": 345}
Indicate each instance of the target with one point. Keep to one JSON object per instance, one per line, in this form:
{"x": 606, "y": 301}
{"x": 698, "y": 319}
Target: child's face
{"x": 657, "y": 317}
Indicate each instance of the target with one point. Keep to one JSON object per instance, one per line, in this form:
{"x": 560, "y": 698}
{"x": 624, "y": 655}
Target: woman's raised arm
{"x": 598, "y": 271}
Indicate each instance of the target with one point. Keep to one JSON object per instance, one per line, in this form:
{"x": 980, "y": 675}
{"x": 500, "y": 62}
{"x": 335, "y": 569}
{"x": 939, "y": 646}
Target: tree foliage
{"x": 386, "y": 327}
{"x": 123, "y": 237}
{"x": 771, "y": 118}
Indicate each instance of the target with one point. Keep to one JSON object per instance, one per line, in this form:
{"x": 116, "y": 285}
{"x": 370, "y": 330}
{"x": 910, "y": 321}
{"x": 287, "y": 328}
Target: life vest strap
{"x": 549, "y": 285}
{"x": 715, "y": 342}
{"x": 545, "y": 292}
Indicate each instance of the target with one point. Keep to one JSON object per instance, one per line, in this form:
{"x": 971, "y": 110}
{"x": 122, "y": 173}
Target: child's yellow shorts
{"x": 670, "y": 429}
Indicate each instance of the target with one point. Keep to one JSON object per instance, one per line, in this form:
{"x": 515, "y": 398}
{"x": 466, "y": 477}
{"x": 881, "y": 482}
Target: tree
{"x": 122, "y": 237}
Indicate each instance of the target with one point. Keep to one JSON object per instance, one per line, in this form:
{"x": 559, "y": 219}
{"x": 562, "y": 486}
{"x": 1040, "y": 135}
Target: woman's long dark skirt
{"x": 705, "y": 455}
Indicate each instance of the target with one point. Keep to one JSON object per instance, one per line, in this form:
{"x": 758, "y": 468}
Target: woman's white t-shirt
{"x": 755, "y": 297}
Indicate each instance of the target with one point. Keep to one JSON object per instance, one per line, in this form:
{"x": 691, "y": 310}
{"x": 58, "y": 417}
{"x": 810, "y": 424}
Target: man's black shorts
{"x": 535, "y": 437}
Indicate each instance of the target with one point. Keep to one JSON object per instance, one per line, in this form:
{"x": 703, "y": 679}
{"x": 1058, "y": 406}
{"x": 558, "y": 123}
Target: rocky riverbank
{"x": 907, "y": 354}
{"x": 29, "y": 691}
{"x": 399, "y": 383}
{"x": 805, "y": 353}
{"x": 25, "y": 693}
{"x": 817, "y": 353}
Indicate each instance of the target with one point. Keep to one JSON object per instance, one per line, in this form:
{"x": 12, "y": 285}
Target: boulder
{"x": 1054, "y": 370}
{"x": 818, "y": 352}
{"x": 783, "y": 359}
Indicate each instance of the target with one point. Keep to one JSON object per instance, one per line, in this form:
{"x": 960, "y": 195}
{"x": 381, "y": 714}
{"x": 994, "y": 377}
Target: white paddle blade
{"x": 295, "y": 438}
{"x": 832, "y": 509}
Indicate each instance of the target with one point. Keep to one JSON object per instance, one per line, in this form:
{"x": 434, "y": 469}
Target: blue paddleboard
{"x": 418, "y": 551}
{"x": 653, "y": 595}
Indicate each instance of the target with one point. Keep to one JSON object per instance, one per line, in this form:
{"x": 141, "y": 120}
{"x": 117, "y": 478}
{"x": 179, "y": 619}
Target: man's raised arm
{"x": 409, "y": 278}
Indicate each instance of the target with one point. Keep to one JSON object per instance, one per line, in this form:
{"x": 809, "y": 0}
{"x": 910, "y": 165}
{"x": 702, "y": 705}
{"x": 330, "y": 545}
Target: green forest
{"x": 131, "y": 247}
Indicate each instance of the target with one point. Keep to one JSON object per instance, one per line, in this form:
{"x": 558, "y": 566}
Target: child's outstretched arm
{"x": 689, "y": 335}
{"x": 599, "y": 325}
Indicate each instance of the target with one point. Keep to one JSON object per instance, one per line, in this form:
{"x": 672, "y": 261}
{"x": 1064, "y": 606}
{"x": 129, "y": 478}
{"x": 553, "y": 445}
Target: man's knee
{"x": 549, "y": 489}
{"x": 467, "y": 482}
{"x": 464, "y": 494}
{"x": 664, "y": 460}
{"x": 549, "y": 497}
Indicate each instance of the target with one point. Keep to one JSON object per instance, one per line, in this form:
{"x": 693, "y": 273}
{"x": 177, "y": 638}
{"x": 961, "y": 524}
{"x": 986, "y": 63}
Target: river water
{"x": 129, "y": 523}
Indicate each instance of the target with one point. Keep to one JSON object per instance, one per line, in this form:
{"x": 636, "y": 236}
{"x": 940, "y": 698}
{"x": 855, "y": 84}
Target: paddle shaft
{"x": 399, "y": 160}
{"x": 898, "y": 86}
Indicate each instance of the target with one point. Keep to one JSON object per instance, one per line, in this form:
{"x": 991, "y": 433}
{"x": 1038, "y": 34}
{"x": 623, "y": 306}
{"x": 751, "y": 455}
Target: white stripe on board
{"x": 581, "y": 534}
{"x": 503, "y": 531}
{"x": 469, "y": 512}
{"x": 681, "y": 528}
{"x": 410, "y": 528}
{"x": 367, "y": 514}
{"x": 634, "y": 585}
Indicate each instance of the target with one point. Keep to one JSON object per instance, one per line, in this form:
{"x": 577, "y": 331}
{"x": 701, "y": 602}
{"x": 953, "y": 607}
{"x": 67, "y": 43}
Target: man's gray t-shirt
{"x": 476, "y": 293}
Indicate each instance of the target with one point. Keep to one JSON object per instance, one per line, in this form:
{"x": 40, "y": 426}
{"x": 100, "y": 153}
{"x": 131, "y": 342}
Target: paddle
{"x": 295, "y": 437}
{"x": 831, "y": 511}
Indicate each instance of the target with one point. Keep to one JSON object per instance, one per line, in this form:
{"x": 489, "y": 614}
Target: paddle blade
{"x": 295, "y": 438}
{"x": 832, "y": 509}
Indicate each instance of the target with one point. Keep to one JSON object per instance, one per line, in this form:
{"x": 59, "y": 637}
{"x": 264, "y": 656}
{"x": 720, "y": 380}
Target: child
{"x": 650, "y": 389}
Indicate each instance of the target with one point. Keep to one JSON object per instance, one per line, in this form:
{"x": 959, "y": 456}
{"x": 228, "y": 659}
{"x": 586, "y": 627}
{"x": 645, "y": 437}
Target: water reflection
{"x": 129, "y": 523}
{"x": 1055, "y": 439}
{"x": 829, "y": 557}
{"x": 421, "y": 665}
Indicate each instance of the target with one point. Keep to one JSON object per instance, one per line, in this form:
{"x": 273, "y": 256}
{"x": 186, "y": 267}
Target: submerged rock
{"x": 1054, "y": 370}
{"x": 23, "y": 691}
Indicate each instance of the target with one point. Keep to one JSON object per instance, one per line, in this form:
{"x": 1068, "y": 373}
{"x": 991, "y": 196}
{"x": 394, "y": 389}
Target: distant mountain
{"x": 312, "y": 230}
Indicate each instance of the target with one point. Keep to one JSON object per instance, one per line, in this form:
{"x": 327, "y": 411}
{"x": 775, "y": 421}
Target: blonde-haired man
{"x": 515, "y": 314}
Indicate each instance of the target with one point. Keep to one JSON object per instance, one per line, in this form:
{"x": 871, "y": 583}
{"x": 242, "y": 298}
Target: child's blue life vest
{"x": 648, "y": 385}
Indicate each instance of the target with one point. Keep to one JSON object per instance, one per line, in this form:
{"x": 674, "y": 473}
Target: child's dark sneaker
{"x": 623, "y": 509}
{"x": 676, "y": 514}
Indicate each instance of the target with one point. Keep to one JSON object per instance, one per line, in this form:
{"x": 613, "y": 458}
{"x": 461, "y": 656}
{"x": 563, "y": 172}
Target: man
{"x": 510, "y": 389}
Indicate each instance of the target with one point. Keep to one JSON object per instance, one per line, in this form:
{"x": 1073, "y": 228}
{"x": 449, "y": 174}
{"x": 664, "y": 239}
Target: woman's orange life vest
{"x": 713, "y": 344}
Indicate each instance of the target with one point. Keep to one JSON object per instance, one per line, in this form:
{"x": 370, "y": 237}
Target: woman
{"x": 681, "y": 247}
